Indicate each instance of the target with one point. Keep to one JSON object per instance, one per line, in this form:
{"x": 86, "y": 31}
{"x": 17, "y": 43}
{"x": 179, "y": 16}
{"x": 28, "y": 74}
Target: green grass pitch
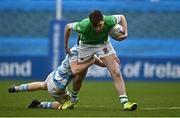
{"x": 98, "y": 99}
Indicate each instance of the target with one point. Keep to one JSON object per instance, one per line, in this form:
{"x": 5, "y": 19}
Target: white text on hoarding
{"x": 23, "y": 69}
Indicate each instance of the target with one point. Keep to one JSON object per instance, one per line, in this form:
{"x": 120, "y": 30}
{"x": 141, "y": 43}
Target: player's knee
{"x": 115, "y": 73}
{"x": 43, "y": 85}
{"x": 76, "y": 70}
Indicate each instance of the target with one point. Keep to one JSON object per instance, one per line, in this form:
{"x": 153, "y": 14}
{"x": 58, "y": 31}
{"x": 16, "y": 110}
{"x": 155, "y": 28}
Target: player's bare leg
{"x": 77, "y": 83}
{"x": 113, "y": 67}
{"x": 28, "y": 87}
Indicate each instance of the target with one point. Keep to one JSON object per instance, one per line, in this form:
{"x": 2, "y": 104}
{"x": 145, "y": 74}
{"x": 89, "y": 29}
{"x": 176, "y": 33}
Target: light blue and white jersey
{"x": 63, "y": 75}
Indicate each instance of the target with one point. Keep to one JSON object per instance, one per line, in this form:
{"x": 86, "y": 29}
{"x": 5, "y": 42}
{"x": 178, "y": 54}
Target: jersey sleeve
{"x": 112, "y": 20}
{"x": 73, "y": 26}
{"x": 117, "y": 18}
{"x": 73, "y": 56}
{"x": 76, "y": 27}
{"x": 80, "y": 27}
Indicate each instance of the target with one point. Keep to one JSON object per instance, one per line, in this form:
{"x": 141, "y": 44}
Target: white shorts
{"x": 59, "y": 95}
{"x": 87, "y": 51}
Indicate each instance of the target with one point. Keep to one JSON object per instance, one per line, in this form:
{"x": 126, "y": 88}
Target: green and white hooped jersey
{"x": 63, "y": 75}
{"x": 89, "y": 35}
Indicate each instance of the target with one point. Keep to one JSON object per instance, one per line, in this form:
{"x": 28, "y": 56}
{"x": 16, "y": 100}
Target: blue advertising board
{"x": 141, "y": 69}
{"x": 144, "y": 60}
{"x": 26, "y": 67}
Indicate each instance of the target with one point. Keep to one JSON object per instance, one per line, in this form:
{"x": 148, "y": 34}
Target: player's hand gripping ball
{"x": 116, "y": 31}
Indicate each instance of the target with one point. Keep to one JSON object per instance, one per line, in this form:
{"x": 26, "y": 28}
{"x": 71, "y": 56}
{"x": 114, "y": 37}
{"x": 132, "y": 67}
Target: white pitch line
{"x": 98, "y": 106}
{"x": 161, "y": 108}
{"x": 140, "y": 108}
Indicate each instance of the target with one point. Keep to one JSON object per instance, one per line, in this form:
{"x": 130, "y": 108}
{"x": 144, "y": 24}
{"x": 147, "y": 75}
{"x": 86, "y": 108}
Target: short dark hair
{"x": 95, "y": 17}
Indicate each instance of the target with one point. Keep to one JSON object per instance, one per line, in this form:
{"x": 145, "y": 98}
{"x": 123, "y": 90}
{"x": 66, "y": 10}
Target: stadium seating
{"x": 152, "y": 19}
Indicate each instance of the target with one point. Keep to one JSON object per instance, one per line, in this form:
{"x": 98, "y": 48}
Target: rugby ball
{"x": 116, "y": 31}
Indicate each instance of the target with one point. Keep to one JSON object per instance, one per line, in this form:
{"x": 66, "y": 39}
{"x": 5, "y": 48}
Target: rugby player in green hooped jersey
{"x": 94, "y": 40}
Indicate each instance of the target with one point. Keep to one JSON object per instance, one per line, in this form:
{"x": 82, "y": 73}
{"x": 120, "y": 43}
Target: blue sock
{"x": 22, "y": 87}
{"x": 46, "y": 105}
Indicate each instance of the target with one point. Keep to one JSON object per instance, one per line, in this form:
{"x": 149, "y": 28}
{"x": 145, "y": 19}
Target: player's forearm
{"x": 66, "y": 35}
{"x": 78, "y": 68}
{"x": 99, "y": 62}
{"x": 124, "y": 25}
{"x": 121, "y": 38}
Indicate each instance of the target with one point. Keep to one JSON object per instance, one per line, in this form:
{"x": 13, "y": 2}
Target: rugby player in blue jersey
{"x": 58, "y": 80}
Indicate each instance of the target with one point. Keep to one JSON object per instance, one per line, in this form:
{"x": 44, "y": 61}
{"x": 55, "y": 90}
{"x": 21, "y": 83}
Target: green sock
{"x": 74, "y": 96}
{"x": 123, "y": 99}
